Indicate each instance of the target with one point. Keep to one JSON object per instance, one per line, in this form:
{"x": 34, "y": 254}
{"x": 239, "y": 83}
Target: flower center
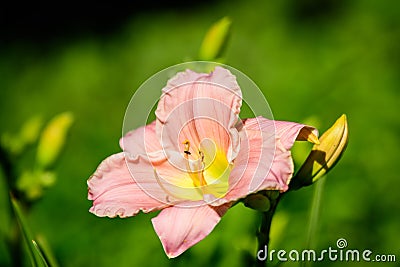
{"x": 209, "y": 168}
{"x": 197, "y": 173}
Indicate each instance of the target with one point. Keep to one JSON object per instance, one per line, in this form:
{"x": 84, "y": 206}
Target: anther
{"x": 201, "y": 154}
{"x": 187, "y": 147}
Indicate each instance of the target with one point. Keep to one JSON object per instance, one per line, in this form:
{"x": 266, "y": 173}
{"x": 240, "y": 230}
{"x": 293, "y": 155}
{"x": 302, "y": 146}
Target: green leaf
{"x": 35, "y": 254}
{"x": 47, "y": 251}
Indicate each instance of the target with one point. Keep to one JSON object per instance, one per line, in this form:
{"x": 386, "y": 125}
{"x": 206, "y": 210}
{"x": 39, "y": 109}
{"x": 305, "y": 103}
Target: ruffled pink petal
{"x": 287, "y": 132}
{"x": 115, "y": 193}
{"x": 181, "y": 228}
{"x": 188, "y": 85}
{"x": 195, "y": 106}
{"x": 281, "y": 171}
{"x": 141, "y": 141}
{"x": 264, "y": 161}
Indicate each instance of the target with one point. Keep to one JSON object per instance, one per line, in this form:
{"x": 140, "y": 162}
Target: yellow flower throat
{"x": 196, "y": 175}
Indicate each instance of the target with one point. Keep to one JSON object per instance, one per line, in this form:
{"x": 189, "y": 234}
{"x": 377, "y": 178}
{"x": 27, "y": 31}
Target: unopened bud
{"x": 215, "y": 40}
{"x": 53, "y": 138}
{"x": 31, "y": 129}
{"x": 16, "y": 143}
{"x": 324, "y": 155}
{"x": 257, "y": 202}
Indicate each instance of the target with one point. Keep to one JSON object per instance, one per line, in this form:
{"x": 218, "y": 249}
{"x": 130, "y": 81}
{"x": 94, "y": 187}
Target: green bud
{"x": 32, "y": 184}
{"x": 53, "y": 138}
{"x": 15, "y": 144}
{"x": 31, "y": 129}
{"x": 324, "y": 155}
{"x": 257, "y": 202}
{"x": 12, "y": 144}
{"x": 215, "y": 40}
{"x": 271, "y": 194}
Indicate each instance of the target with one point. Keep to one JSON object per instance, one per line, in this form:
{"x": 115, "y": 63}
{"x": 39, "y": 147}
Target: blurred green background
{"x": 313, "y": 60}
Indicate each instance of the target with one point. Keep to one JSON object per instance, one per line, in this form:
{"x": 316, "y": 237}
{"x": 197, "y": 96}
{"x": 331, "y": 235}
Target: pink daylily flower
{"x": 195, "y": 160}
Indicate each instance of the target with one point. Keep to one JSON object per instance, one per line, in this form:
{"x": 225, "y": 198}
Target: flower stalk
{"x": 263, "y": 235}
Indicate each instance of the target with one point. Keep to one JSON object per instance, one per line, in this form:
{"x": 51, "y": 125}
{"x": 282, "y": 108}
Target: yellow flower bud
{"x": 52, "y": 139}
{"x": 215, "y": 40}
{"x": 324, "y": 155}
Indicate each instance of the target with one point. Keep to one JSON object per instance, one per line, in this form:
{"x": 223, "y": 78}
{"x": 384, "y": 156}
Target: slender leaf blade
{"x": 33, "y": 250}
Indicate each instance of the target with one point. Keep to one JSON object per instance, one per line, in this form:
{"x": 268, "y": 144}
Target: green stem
{"x": 314, "y": 217}
{"x": 13, "y": 237}
{"x": 7, "y": 168}
{"x": 264, "y": 232}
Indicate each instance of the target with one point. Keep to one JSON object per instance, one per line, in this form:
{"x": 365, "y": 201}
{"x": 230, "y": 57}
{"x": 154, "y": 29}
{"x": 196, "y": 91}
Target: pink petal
{"x": 181, "y": 228}
{"x": 281, "y": 171}
{"x": 141, "y": 141}
{"x": 115, "y": 193}
{"x": 253, "y": 163}
{"x": 162, "y": 180}
{"x": 264, "y": 161}
{"x": 287, "y": 132}
{"x": 195, "y": 106}
{"x": 153, "y": 171}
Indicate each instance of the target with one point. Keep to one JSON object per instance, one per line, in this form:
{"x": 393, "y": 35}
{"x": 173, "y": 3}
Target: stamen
{"x": 201, "y": 154}
{"x": 196, "y": 175}
{"x": 201, "y": 173}
{"x": 187, "y": 148}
